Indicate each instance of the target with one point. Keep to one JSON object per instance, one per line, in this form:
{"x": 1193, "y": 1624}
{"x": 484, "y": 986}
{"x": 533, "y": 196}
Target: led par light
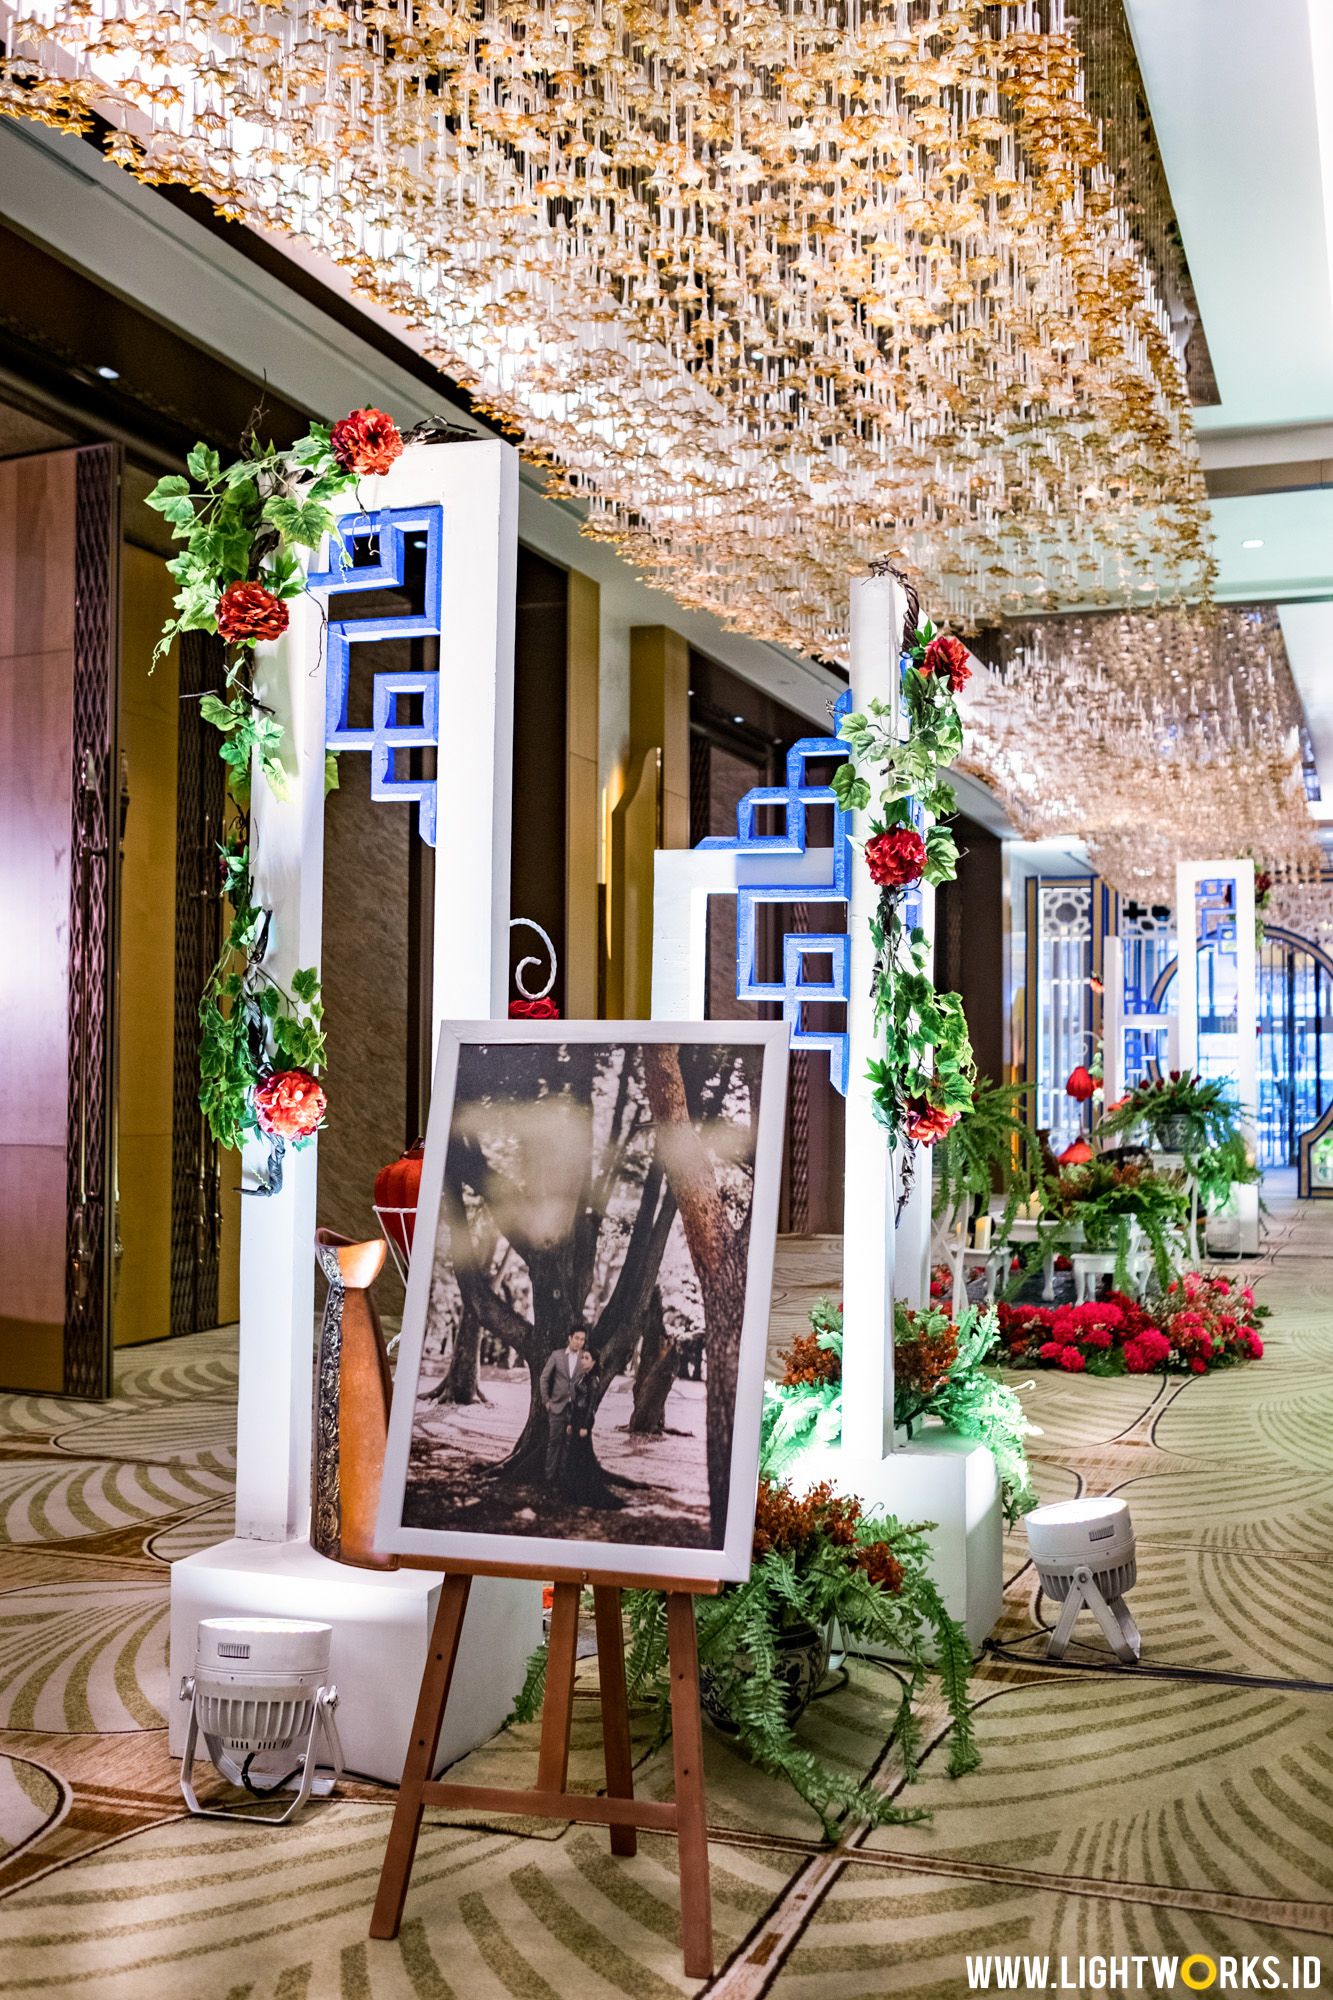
{"x": 1084, "y": 1553}
{"x": 261, "y": 1691}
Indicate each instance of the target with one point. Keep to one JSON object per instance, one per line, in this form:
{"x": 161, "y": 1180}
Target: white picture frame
{"x": 727, "y": 1562}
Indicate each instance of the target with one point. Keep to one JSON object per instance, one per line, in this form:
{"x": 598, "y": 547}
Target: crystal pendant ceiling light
{"x": 1153, "y": 737}
{"x": 775, "y": 286}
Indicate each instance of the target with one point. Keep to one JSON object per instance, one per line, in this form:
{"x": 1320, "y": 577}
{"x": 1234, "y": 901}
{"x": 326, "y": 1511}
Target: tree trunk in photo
{"x": 656, "y": 1372}
{"x": 719, "y": 1254}
{"x": 461, "y": 1380}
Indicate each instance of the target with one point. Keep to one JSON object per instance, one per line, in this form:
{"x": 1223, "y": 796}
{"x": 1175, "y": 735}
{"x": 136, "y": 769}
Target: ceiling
{"x": 1241, "y": 96}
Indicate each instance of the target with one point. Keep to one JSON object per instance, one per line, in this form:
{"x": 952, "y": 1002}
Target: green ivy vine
{"x": 244, "y": 527}
{"x": 924, "y": 1080}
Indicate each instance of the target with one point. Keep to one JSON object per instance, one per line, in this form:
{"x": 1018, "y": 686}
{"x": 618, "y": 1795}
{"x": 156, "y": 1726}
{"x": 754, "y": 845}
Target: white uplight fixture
{"x": 260, "y": 1696}
{"x": 1084, "y": 1554}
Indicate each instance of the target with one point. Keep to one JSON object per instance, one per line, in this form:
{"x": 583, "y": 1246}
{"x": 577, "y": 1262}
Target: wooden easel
{"x": 619, "y": 1810}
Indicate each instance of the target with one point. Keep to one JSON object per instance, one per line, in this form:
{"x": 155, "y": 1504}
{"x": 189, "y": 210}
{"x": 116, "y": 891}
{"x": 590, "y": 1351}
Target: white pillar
{"x": 277, "y": 1255}
{"x": 869, "y": 1199}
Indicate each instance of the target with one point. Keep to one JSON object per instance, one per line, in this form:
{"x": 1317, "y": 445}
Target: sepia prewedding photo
{"x": 595, "y": 1251}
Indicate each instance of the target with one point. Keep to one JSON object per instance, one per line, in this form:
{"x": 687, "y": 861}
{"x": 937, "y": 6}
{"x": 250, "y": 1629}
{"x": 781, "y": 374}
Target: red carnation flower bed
{"x": 948, "y": 658}
{"x": 897, "y": 858}
{"x": 366, "y": 442}
{"x": 290, "y": 1105}
{"x": 1196, "y": 1325}
{"x": 246, "y": 613}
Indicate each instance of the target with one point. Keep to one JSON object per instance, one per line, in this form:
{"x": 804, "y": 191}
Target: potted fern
{"x": 988, "y": 1149}
{"x": 939, "y": 1376}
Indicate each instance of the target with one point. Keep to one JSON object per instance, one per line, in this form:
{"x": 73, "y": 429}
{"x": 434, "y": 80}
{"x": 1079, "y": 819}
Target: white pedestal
{"x": 951, "y": 1482}
{"x": 381, "y": 1628}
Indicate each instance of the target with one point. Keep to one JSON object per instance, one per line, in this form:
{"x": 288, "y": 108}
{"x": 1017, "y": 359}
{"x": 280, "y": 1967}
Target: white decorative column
{"x": 462, "y": 501}
{"x": 277, "y": 1264}
{"x": 1209, "y": 919}
{"x": 870, "y": 1183}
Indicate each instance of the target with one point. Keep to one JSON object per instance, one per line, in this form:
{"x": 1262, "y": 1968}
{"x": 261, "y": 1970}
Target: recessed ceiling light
{"x": 109, "y": 374}
{"x": 1252, "y": 545}
{"x": 738, "y": 718}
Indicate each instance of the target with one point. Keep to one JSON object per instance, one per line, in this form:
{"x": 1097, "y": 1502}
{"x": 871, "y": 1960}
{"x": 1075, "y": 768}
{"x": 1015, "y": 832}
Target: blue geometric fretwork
{"x": 387, "y": 735}
{"x": 794, "y": 991}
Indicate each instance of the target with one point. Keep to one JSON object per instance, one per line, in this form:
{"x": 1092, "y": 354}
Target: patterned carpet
{"x": 1185, "y": 1806}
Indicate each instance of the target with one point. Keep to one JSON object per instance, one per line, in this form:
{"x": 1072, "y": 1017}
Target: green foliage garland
{"x": 246, "y": 523}
{"x": 244, "y": 1008}
{"x": 927, "y": 1063}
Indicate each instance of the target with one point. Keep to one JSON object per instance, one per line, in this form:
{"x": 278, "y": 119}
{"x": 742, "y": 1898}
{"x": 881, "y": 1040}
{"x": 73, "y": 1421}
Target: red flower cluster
{"x": 1198, "y": 1324}
{"x": 246, "y": 612}
{"x": 366, "y": 442}
{"x": 793, "y": 1527}
{"x": 922, "y": 1358}
{"x": 897, "y": 858}
{"x": 534, "y": 1010}
{"x": 925, "y": 1122}
{"x": 290, "y": 1104}
{"x": 1263, "y": 882}
{"x": 948, "y": 658}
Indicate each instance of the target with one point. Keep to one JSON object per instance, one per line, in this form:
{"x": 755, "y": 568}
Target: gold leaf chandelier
{"x": 1154, "y": 737}
{"x": 774, "y": 286}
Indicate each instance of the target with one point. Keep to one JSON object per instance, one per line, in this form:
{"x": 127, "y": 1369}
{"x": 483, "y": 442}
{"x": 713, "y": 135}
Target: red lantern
{"x": 1076, "y": 1155}
{"x": 397, "y": 1187}
{"x": 1081, "y": 1084}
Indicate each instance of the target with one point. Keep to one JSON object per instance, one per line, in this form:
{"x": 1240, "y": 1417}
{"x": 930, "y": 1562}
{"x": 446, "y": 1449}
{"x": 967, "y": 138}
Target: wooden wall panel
{"x": 582, "y": 829}
{"x": 36, "y": 724}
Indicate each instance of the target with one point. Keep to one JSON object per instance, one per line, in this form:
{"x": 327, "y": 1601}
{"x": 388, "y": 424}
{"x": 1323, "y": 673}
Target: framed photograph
{"x": 580, "y": 1375}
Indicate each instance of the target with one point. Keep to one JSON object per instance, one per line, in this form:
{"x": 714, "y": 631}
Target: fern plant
{"x": 938, "y": 1371}
{"x": 817, "y": 1558}
{"x": 990, "y": 1144}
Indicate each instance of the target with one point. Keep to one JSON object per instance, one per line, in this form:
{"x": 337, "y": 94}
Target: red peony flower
{"x": 246, "y": 611}
{"x": 290, "y": 1104}
{"x": 897, "y": 858}
{"x": 544, "y": 1009}
{"x": 1081, "y": 1084}
{"x": 948, "y": 658}
{"x": 366, "y": 442}
{"x": 925, "y": 1124}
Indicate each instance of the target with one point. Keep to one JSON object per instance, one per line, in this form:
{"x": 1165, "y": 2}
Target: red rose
{"x": 949, "y": 659}
{"x": 367, "y": 441}
{"x": 534, "y": 1010}
{"x": 925, "y": 1124}
{"x": 897, "y": 858}
{"x": 246, "y": 611}
{"x": 1080, "y": 1085}
{"x": 290, "y": 1104}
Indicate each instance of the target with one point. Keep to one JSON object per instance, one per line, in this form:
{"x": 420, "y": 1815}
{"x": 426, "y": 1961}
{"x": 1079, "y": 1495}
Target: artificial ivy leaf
{"x": 219, "y": 714}
{"x": 305, "y": 985}
{"x": 178, "y": 510}
{"x": 167, "y": 489}
{"x": 205, "y": 465}
{"x": 278, "y": 782}
{"x": 270, "y": 1002}
{"x": 330, "y": 772}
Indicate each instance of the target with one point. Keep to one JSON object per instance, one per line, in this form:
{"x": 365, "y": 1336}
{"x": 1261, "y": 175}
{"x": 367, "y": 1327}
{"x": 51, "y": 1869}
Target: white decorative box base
{"x": 381, "y": 1628}
{"x": 948, "y": 1480}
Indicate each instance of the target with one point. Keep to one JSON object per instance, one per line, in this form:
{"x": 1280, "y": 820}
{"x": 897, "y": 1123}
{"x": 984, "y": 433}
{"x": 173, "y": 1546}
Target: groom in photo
{"x": 556, "y": 1387}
